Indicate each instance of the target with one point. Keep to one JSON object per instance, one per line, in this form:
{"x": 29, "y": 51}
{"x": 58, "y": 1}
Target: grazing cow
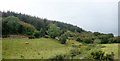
{"x": 26, "y": 42}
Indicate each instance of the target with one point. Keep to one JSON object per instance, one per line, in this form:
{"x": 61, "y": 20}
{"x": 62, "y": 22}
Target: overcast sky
{"x": 91, "y": 15}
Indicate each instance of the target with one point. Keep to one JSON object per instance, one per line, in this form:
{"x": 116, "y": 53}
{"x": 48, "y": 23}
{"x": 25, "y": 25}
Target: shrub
{"x": 87, "y": 40}
{"x": 58, "y": 58}
{"x": 74, "y": 52}
{"x": 29, "y": 33}
{"x": 97, "y": 41}
{"x": 108, "y": 57}
{"x": 46, "y": 36}
{"x": 96, "y": 33}
{"x": 100, "y": 55}
{"x": 11, "y": 25}
{"x": 27, "y": 29}
{"x": 63, "y": 39}
{"x": 53, "y": 31}
{"x": 113, "y": 40}
{"x": 37, "y": 34}
{"x": 104, "y": 38}
{"x": 31, "y": 37}
{"x": 75, "y": 46}
{"x": 79, "y": 40}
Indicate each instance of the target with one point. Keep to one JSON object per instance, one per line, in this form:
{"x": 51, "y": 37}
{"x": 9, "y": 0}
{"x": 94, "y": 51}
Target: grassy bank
{"x": 36, "y": 49}
{"x": 45, "y": 48}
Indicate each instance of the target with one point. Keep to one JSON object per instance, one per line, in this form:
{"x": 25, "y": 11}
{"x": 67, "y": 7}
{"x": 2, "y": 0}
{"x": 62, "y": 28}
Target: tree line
{"x": 31, "y": 26}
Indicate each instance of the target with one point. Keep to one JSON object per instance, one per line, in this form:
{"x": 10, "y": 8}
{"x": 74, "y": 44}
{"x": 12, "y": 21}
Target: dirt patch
{"x": 17, "y": 36}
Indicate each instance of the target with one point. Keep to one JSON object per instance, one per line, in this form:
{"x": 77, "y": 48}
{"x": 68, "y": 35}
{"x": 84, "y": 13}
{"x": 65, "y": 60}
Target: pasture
{"x": 36, "y": 49}
{"x": 0, "y": 49}
{"x": 45, "y": 48}
{"x": 111, "y": 48}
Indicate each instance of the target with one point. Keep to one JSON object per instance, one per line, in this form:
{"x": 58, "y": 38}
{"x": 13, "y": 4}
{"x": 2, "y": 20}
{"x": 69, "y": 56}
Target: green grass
{"x": 0, "y": 49}
{"x": 111, "y": 48}
{"x": 86, "y": 51}
{"x": 36, "y": 49}
{"x": 108, "y": 48}
{"x": 45, "y": 48}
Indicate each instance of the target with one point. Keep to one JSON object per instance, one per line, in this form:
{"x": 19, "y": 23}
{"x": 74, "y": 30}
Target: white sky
{"x": 91, "y": 15}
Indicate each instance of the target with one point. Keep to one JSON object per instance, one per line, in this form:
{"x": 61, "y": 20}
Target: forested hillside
{"x": 35, "y": 27}
{"x": 31, "y": 37}
{"x": 41, "y": 23}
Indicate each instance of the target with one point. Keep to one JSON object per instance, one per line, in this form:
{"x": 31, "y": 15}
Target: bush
{"x": 87, "y": 40}
{"x": 11, "y": 25}
{"x": 58, "y": 58}
{"x": 53, "y": 31}
{"x": 37, "y": 34}
{"x": 97, "y": 41}
{"x": 29, "y": 33}
{"x": 79, "y": 40}
{"x": 74, "y": 52}
{"x": 96, "y": 33}
{"x": 104, "y": 38}
{"x": 63, "y": 39}
{"x": 46, "y": 36}
{"x": 108, "y": 57}
{"x": 75, "y": 46}
{"x": 100, "y": 55}
{"x": 26, "y": 29}
{"x": 113, "y": 40}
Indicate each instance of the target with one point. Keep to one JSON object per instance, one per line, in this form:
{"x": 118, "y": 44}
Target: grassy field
{"x": 44, "y": 48}
{"x": 0, "y": 49}
{"x": 107, "y": 48}
{"x": 111, "y": 48}
{"x": 36, "y": 49}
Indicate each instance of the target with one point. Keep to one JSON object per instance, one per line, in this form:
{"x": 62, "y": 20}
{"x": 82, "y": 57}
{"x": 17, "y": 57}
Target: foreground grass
{"x": 86, "y": 51}
{"x": 0, "y": 49}
{"x": 36, "y": 49}
{"x": 111, "y": 48}
{"x": 45, "y": 48}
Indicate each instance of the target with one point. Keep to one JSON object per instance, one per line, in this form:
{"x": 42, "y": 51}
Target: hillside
{"x": 30, "y": 37}
{"x": 39, "y": 23}
{"x": 36, "y": 49}
{"x": 46, "y": 48}
{"x": 34, "y": 27}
